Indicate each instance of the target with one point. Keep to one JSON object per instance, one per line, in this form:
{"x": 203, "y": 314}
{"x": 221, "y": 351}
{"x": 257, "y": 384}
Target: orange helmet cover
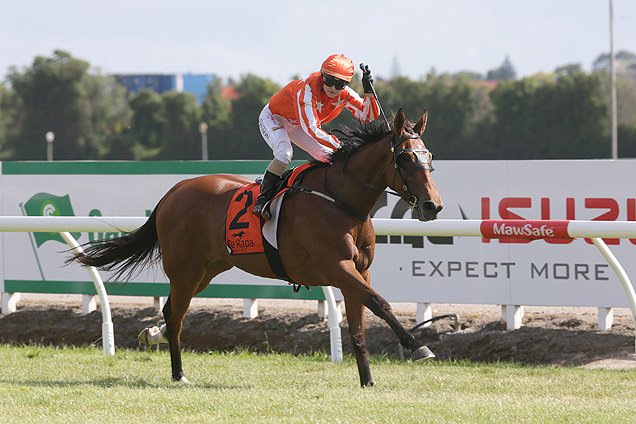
{"x": 338, "y": 66}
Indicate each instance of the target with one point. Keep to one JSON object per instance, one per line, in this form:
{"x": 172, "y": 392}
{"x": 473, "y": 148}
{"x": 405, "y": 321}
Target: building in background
{"x": 196, "y": 84}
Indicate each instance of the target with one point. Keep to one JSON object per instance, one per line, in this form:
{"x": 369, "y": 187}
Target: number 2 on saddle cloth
{"x": 243, "y": 229}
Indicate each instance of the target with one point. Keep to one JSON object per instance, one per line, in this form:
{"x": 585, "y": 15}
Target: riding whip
{"x": 365, "y": 69}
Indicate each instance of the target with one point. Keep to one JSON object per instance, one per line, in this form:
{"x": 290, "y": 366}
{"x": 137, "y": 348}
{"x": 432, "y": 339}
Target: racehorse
{"x": 322, "y": 240}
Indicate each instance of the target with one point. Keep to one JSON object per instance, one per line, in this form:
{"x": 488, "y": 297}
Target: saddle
{"x": 289, "y": 181}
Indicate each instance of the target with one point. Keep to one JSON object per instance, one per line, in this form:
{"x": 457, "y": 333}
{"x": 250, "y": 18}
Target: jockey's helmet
{"x": 338, "y": 66}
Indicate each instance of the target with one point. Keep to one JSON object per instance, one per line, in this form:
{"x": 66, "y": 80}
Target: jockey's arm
{"x": 364, "y": 110}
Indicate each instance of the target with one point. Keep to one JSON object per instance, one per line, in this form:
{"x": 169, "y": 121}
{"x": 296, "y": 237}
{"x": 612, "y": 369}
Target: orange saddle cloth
{"x": 243, "y": 229}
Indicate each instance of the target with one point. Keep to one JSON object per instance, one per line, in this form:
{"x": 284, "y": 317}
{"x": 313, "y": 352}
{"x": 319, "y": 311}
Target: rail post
{"x": 108, "y": 333}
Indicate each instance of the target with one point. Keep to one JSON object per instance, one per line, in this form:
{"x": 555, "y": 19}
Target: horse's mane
{"x": 352, "y": 138}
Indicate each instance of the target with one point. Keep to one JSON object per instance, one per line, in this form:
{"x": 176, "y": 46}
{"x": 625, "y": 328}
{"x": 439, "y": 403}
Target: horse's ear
{"x": 398, "y": 122}
{"x": 421, "y": 124}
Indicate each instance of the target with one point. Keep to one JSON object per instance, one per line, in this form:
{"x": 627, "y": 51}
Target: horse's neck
{"x": 365, "y": 166}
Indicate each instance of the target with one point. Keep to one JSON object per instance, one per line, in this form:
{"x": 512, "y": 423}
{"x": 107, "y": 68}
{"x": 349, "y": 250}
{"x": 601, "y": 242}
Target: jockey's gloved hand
{"x": 367, "y": 80}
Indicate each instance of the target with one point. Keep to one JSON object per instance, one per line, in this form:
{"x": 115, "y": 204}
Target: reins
{"x": 404, "y": 174}
{"x": 422, "y": 164}
{"x": 345, "y": 207}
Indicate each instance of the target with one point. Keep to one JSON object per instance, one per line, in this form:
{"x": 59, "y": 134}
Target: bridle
{"x": 424, "y": 162}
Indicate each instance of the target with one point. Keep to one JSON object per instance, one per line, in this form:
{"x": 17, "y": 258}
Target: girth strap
{"x": 273, "y": 257}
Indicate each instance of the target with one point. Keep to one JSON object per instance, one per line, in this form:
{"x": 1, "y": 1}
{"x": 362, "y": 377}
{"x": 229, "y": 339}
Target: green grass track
{"x": 72, "y": 385}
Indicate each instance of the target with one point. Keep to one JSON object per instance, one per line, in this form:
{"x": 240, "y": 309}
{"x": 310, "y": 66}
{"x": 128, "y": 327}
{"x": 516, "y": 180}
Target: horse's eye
{"x": 405, "y": 159}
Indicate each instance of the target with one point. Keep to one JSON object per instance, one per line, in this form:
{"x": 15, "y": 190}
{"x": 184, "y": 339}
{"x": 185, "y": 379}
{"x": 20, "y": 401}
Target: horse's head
{"x": 412, "y": 166}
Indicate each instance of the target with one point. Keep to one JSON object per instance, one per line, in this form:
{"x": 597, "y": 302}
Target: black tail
{"x": 127, "y": 255}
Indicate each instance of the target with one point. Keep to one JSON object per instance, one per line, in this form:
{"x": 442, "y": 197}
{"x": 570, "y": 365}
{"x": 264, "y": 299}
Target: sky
{"x": 283, "y": 39}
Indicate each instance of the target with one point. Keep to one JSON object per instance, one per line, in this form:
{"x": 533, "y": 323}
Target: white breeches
{"x": 279, "y": 133}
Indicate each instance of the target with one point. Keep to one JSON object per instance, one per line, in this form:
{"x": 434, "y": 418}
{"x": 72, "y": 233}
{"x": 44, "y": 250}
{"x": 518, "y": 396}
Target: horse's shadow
{"x": 110, "y": 382}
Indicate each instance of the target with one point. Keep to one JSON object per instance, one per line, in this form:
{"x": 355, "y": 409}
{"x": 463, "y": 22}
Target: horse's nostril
{"x": 429, "y": 206}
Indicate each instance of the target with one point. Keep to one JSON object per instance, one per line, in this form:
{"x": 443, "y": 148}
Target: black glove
{"x": 367, "y": 80}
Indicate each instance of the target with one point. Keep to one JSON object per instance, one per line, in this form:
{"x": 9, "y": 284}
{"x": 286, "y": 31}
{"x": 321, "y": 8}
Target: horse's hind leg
{"x": 173, "y": 312}
{"x": 181, "y": 294}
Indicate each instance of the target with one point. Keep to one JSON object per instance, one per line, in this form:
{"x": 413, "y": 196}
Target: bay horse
{"x": 320, "y": 242}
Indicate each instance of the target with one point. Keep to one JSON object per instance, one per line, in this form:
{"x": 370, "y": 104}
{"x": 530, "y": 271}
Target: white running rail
{"x": 524, "y": 229}
{"x": 65, "y": 224}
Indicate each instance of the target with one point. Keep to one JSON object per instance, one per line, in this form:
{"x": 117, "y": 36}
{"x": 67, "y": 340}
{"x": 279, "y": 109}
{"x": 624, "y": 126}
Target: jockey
{"x": 296, "y": 113}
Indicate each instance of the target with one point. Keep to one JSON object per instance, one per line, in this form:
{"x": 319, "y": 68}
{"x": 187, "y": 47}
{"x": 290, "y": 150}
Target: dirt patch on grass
{"x": 555, "y": 337}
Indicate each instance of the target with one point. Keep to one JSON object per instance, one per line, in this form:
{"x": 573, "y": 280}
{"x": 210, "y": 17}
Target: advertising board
{"x": 405, "y": 269}
{"x": 514, "y": 272}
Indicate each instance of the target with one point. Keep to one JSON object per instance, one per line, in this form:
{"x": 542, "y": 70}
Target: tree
{"x": 626, "y": 141}
{"x": 504, "y": 73}
{"x": 626, "y": 100}
{"x": 625, "y": 96}
{"x": 456, "y": 106}
{"x": 57, "y": 94}
{"x": 244, "y": 140}
{"x": 570, "y": 68}
{"x": 456, "y": 109}
{"x": 539, "y": 118}
{"x": 109, "y": 115}
{"x": 215, "y": 112}
{"x": 49, "y": 98}
{"x": 180, "y": 135}
{"x": 396, "y": 69}
{"x": 148, "y": 121}
{"x": 473, "y": 76}
{"x": 554, "y": 115}
{"x": 7, "y": 118}
{"x": 624, "y": 58}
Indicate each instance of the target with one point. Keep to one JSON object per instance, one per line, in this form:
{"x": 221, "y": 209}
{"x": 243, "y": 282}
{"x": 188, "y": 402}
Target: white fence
{"x": 517, "y": 229}
{"x": 529, "y": 230}
{"x": 65, "y": 225}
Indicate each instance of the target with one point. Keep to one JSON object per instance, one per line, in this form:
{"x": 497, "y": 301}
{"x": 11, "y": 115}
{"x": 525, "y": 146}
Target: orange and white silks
{"x": 304, "y": 103}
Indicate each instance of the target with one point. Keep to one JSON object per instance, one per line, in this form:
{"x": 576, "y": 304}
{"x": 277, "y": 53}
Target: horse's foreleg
{"x": 358, "y": 288}
{"x": 355, "y": 318}
{"x": 381, "y": 308}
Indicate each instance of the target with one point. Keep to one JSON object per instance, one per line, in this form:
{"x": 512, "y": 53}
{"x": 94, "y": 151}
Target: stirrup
{"x": 263, "y": 211}
{"x": 266, "y": 213}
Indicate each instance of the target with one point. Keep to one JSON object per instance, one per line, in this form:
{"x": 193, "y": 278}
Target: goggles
{"x": 331, "y": 81}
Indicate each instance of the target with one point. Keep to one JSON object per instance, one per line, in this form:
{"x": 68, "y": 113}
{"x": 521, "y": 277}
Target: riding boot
{"x": 268, "y": 186}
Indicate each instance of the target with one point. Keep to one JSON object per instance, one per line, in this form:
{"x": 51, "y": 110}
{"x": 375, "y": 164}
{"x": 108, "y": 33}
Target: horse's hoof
{"x": 422, "y": 353}
{"x": 152, "y": 336}
{"x": 143, "y": 337}
{"x": 183, "y": 380}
